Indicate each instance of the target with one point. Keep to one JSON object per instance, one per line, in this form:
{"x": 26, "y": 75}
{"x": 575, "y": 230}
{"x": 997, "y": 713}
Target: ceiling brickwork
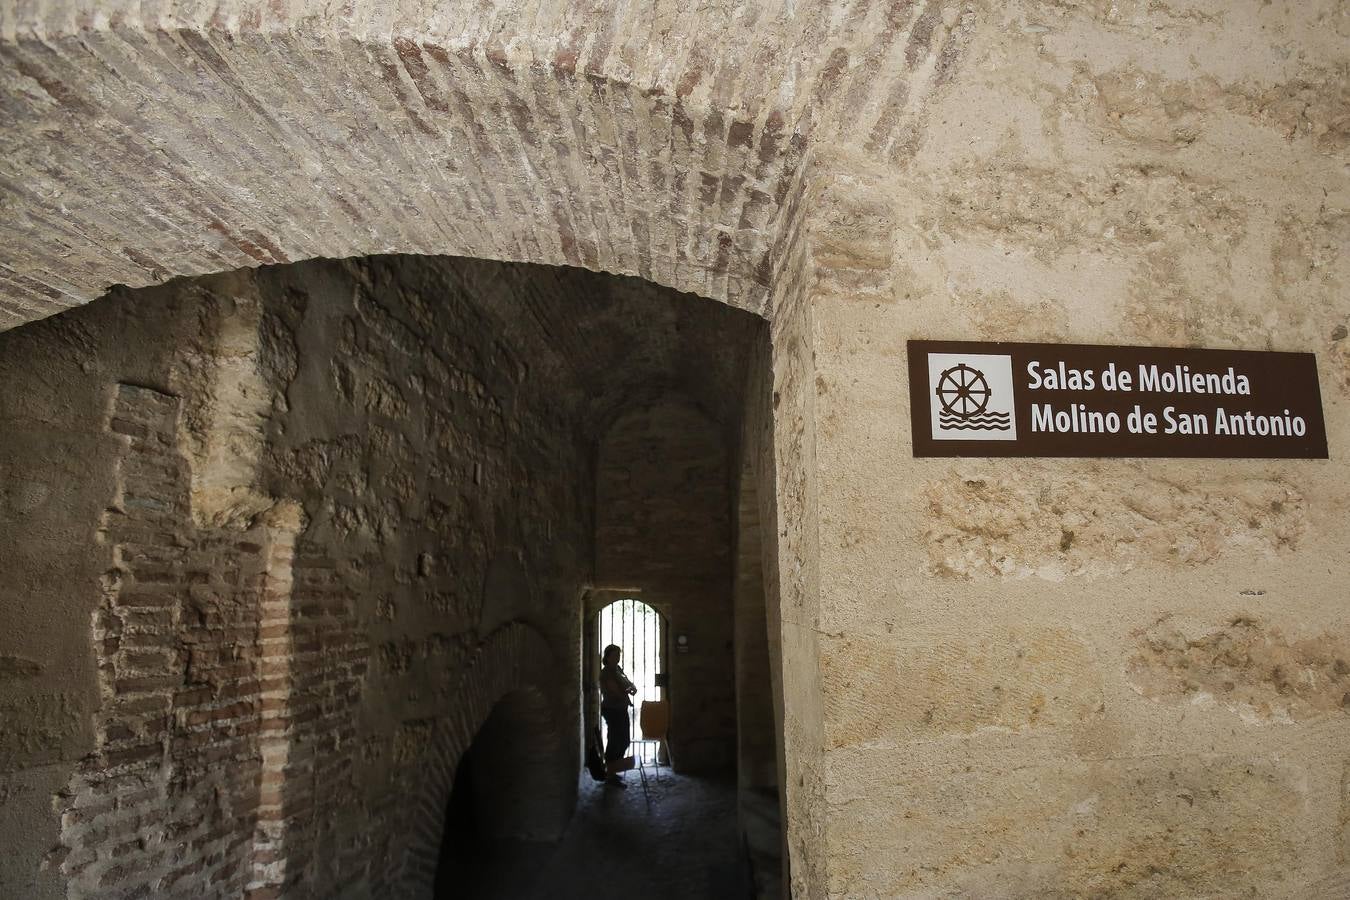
{"x": 145, "y": 141}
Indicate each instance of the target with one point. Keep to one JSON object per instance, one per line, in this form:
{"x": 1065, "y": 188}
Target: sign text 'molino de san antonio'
{"x": 1013, "y": 399}
{"x": 1153, "y": 379}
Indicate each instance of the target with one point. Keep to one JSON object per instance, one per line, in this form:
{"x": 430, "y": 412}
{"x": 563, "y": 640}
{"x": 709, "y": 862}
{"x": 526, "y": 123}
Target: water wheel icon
{"x": 963, "y": 391}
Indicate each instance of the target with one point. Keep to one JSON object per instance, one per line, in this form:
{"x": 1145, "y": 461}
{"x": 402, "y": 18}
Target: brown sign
{"x": 1004, "y": 399}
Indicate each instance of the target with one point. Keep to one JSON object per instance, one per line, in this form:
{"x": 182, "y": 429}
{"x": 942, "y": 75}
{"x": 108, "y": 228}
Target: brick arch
{"x": 146, "y": 142}
{"x": 514, "y": 659}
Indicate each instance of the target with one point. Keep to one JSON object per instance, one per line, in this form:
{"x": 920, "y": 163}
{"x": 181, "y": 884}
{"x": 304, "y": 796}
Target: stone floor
{"x": 684, "y": 846}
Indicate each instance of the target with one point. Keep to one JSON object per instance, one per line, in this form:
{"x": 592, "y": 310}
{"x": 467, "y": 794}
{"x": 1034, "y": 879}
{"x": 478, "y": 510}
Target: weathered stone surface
{"x": 986, "y": 681}
{"x": 1343, "y": 844}
{"x": 1246, "y": 666}
{"x": 1155, "y": 827}
{"x": 982, "y": 522}
{"x": 1117, "y": 173}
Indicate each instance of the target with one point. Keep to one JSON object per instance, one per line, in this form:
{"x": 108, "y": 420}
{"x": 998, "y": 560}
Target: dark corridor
{"x": 684, "y": 847}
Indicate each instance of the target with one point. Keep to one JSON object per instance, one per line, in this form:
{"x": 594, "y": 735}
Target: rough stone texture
{"x": 781, "y": 441}
{"x": 986, "y": 523}
{"x": 759, "y": 479}
{"x": 1011, "y": 681}
{"x": 1149, "y": 827}
{"x": 315, "y": 561}
{"x": 1078, "y": 677}
{"x": 1247, "y": 667}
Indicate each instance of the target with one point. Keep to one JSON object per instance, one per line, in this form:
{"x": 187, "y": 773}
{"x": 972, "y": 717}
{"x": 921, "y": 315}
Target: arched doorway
{"x": 641, "y": 632}
{"x": 505, "y": 807}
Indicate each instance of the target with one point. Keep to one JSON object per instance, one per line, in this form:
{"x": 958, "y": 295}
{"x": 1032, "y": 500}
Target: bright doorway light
{"x": 637, "y": 628}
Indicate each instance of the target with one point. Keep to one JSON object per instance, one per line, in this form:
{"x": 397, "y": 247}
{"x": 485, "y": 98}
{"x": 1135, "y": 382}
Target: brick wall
{"x": 658, "y": 144}
{"x": 272, "y": 691}
{"x": 169, "y": 797}
{"x": 331, "y": 550}
{"x": 422, "y": 447}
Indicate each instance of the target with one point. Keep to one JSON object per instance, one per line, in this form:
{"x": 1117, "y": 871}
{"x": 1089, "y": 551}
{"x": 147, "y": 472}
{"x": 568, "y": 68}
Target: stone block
{"x": 1154, "y": 827}
{"x": 1246, "y": 665}
{"x": 890, "y": 693}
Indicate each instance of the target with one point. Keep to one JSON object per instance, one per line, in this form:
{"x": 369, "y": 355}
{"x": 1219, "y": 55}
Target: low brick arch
{"x": 514, "y": 659}
{"x": 662, "y": 141}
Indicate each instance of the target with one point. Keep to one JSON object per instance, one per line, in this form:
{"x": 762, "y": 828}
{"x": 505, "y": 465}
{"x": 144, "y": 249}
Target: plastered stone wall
{"x": 1070, "y": 678}
{"x": 330, "y": 515}
{"x": 780, "y": 445}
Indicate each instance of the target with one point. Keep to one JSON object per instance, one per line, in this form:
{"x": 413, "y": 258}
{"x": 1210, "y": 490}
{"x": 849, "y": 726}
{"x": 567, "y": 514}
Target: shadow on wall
{"x": 506, "y": 594}
{"x": 505, "y": 813}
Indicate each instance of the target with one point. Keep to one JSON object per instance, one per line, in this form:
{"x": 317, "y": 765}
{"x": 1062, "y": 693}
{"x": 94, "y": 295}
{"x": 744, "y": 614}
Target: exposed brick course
{"x": 171, "y": 789}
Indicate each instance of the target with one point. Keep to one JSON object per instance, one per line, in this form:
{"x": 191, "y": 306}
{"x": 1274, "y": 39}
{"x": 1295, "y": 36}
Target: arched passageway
{"x": 340, "y": 519}
{"x": 507, "y": 806}
{"x": 254, "y": 135}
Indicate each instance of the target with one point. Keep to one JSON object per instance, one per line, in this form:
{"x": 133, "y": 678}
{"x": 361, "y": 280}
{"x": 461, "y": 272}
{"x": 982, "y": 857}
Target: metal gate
{"x": 639, "y": 630}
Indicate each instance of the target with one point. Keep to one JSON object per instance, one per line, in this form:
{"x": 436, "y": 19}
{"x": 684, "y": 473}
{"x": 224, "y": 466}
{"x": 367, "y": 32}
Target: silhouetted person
{"x": 615, "y": 691}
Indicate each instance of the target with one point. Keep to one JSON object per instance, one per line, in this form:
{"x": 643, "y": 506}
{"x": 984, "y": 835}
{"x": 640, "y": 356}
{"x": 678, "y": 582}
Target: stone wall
{"x": 780, "y": 444}
{"x": 1062, "y": 678}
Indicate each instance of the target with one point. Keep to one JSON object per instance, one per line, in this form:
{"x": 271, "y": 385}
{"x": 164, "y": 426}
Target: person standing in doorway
{"x": 616, "y": 692}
